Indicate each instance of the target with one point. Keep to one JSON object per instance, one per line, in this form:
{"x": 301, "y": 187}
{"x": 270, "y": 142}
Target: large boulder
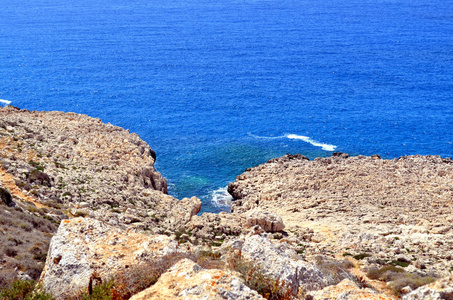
{"x": 187, "y": 280}
{"x": 85, "y": 248}
{"x": 280, "y": 263}
{"x": 5, "y": 197}
{"x": 268, "y": 221}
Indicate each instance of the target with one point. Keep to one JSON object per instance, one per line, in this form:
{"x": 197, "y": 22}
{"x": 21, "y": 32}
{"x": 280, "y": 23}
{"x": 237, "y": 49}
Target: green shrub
{"x": 24, "y": 290}
{"x": 361, "y": 256}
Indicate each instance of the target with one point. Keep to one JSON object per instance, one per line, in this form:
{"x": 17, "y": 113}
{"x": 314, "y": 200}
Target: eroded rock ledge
{"x": 387, "y": 210}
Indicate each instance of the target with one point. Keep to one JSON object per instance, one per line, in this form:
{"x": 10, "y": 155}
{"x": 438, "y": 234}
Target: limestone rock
{"x": 69, "y": 160}
{"x": 343, "y": 204}
{"x": 269, "y": 222}
{"x": 280, "y": 264}
{"x": 347, "y": 290}
{"x": 188, "y": 281}
{"x": 84, "y": 246}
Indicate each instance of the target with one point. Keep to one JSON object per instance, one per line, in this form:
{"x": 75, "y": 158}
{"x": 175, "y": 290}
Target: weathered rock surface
{"x": 76, "y": 162}
{"x": 5, "y": 197}
{"x": 85, "y": 247}
{"x": 269, "y": 222}
{"x": 282, "y": 263}
{"x": 347, "y": 290}
{"x": 187, "y": 280}
{"x": 288, "y": 213}
{"x": 342, "y": 204}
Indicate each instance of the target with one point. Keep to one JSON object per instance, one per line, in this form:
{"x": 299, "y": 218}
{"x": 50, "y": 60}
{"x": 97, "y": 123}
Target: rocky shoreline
{"x": 333, "y": 228}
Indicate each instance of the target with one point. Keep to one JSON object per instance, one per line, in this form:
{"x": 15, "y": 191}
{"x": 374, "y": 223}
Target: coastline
{"x": 355, "y": 214}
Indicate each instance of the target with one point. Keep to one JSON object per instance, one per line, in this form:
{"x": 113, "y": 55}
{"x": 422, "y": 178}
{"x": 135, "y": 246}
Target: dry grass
{"x": 24, "y": 241}
{"x": 134, "y": 280}
{"x": 256, "y": 279}
{"x": 398, "y": 278}
{"x": 334, "y": 270}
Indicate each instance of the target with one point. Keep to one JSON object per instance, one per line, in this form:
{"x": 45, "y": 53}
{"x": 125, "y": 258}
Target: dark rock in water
{"x": 40, "y": 178}
{"x": 288, "y": 157}
{"x": 6, "y": 197}
{"x": 341, "y": 155}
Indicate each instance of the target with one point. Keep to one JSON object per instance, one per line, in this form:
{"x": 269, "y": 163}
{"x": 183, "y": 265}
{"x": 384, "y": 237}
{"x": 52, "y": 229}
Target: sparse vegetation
{"x": 361, "y": 256}
{"x": 334, "y": 270}
{"x": 24, "y": 290}
{"x": 398, "y": 278}
{"x": 24, "y": 241}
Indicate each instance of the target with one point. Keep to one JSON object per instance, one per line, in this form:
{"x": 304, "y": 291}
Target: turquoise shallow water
{"x": 216, "y": 87}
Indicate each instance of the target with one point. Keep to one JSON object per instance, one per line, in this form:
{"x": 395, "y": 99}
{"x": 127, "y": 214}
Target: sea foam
{"x": 221, "y": 197}
{"x": 326, "y": 147}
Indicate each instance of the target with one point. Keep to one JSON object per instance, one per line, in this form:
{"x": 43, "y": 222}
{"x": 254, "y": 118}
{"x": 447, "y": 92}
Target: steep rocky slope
{"x": 56, "y": 165}
{"x": 78, "y": 164}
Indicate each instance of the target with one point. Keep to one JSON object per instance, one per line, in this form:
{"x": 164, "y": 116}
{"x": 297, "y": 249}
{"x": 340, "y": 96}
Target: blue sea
{"x": 218, "y": 86}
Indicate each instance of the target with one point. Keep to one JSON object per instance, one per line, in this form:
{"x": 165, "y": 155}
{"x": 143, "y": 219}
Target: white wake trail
{"x": 325, "y": 147}
{"x": 5, "y": 101}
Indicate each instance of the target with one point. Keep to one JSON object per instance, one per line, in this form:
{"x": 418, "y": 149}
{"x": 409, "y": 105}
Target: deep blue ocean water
{"x": 218, "y": 86}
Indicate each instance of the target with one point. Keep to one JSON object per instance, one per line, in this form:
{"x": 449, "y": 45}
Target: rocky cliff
{"x": 333, "y": 228}
{"x": 55, "y": 166}
{"x": 74, "y": 163}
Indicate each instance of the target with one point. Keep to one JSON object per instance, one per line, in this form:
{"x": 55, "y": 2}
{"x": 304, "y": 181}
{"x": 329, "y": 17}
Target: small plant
{"x": 36, "y": 165}
{"x": 361, "y": 256}
{"x": 24, "y": 290}
{"x": 399, "y": 263}
{"x": 398, "y": 278}
{"x": 80, "y": 214}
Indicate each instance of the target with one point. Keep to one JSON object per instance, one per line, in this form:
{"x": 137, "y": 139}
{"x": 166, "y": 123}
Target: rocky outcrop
{"x": 87, "y": 167}
{"x": 269, "y": 222}
{"x": 85, "y": 248}
{"x": 282, "y": 263}
{"x": 341, "y": 205}
{"x": 5, "y": 197}
{"x": 187, "y": 280}
{"x": 339, "y": 227}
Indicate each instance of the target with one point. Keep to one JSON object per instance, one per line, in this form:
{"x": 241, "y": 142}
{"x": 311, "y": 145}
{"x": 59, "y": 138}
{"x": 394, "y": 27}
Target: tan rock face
{"x": 83, "y": 247}
{"x": 283, "y": 264}
{"x": 269, "y": 222}
{"x": 187, "y": 280}
{"x": 347, "y": 290}
{"x": 342, "y": 204}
